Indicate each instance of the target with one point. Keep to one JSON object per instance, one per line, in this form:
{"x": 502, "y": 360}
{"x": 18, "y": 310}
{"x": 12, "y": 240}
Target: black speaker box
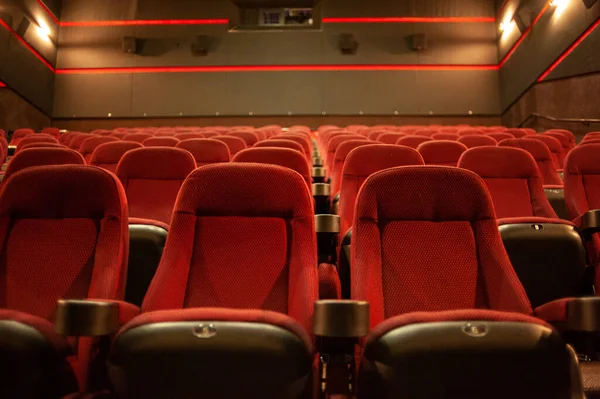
{"x": 130, "y": 45}
{"x": 22, "y": 27}
{"x": 348, "y": 44}
{"x": 201, "y": 45}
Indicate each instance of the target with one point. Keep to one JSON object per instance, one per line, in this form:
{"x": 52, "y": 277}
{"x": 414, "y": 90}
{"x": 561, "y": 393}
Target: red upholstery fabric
{"x": 137, "y": 137}
{"x": 447, "y": 316}
{"x": 332, "y": 146}
{"x": 363, "y": 162}
{"x": 284, "y": 157}
{"x": 469, "y": 131}
{"x": 65, "y": 235}
{"x": 38, "y": 145}
{"x": 338, "y": 162}
{"x": 250, "y": 138}
{"x": 448, "y": 129}
{"x": 425, "y": 239}
{"x": 242, "y": 236}
{"x": 441, "y": 152}
{"x": 187, "y": 136}
{"x": 165, "y": 141}
{"x": 413, "y": 141}
{"x": 591, "y": 135}
{"x": 301, "y": 139}
{"x": 76, "y": 142}
{"x": 373, "y": 135}
{"x": 282, "y": 143}
{"x": 329, "y": 282}
{"x": 220, "y": 314}
{"x": 3, "y": 149}
{"x": 119, "y": 135}
{"x": 35, "y": 138}
{"x": 235, "y": 144}
{"x": 206, "y": 151}
{"x": 88, "y": 146}
{"x": 556, "y": 149}
{"x": 18, "y": 135}
{"x": 543, "y": 158}
{"x": 555, "y": 311}
{"x": 445, "y": 136}
{"x": 517, "y": 132}
{"x": 512, "y": 178}
{"x": 101, "y": 132}
{"x": 477, "y": 140}
{"x": 152, "y": 177}
{"x": 564, "y": 143}
{"x": 41, "y": 157}
{"x": 210, "y": 134}
{"x": 426, "y": 132}
{"x": 52, "y": 131}
{"x": 107, "y": 156}
{"x": 499, "y": 136}
{"x": 590, "y": 141}
{"x": 566, "y": 133}
{"x": 390, "y": 137}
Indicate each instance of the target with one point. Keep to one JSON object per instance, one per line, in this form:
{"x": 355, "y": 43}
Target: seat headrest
{"x": 206, "y": 150}
{"x": 63, "y": 191}
{"x": 164, "y": 141}
{"x": 538, "y": 149}
{"x": 500, "y": 163}
{"x": 245, "y": 189}
{"x": 112, "y": 152}
{"x": 282, "y": 143}
{"x": 284, "y": 157}
{"x": 91, "y": 143}
{"x": 366, "y": 160}
{"x": 441, "y": 151}
{"x": 424, "y": 193}
{"x": 41, "y": 156}
{"x": 583, "y": 160}
{"x": 341, "y": 153}
{"x": 157, "y": 163}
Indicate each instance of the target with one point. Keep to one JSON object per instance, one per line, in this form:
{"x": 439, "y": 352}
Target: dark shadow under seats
{"x": 64, "y": 235}
{"x": 152, "y": 177}
{"x": 229, "y": 311}
{"x": 449, "y": 317}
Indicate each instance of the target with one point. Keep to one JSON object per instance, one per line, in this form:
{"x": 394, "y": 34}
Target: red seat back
{"x": 541, "y": 153}
{"x": 89, "y": 145}
{"x": 555, "y": 147}
{"x": 137, "y": 137}
{"x": 187, "y": 136}
{"x": 285, "y": 157}
{"x": 413, "y": 141}
{"x": 108, "y": 155}
{"x": 35, "y": 138}
{"x": 160, "y": 142}
{"x": 477, "y": 140}
{"x": 441, "y": 152}
{"x": 19, "y": 135}
{"x": 250, "y": 138}
{"x": 582, "y": 180}
{"x": 340, "y": 159}
{"x": 235, "y": 144}
{"x": 282, "y": 143}
{"x": 390, "y": 137}
{"x": 206, "y": 151}
{"x": 42, "y": 157}
{"x": 445, "y": 136}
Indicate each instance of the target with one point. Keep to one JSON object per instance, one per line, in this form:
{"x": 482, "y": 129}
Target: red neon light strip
{"x": 373, "y": 20}
{"x": 524, "y": 35}
{"x": 569, "y": 50}
{"x": 24, "y": 43}
{"x": 2, "y": 84}
{"x": 146, "y": 22}
{"x": 48, "y": 11}
{"x": 277, "y": 68}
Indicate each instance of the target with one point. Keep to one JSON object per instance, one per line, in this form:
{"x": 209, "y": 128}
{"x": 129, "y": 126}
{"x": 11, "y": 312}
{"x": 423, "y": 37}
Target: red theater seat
{"x": 590, "y": 136}
{"x": 108, "y": 155}
{"x": 441, "y": 152}
{"x": 233, "y": 270}
{"x": 340, "y": 156}
{"x": 119, "y": 135}
{"x": 590, "y": 141}
{"x": 206, "y": 151}
{"x": 39, "y": 145}
{"x": 52, "y": 131}
{"x": 64, "y": 236}
{"x": 76, "y": 141}
{"x": 19, "y": 135}
{"x": 477, "y": 140}
{"x": 137, "y": 137}
{"x": 235, "y": 144}
{"x": 413, "y": 141}
{"x": 89, "y": 145}
{"x": 390, "y": 137}
{"x": 566, "y": 133}
{"x": 518, "y": 132}
{"x": 160, "y": 142}
{"x": 426, "y": 132}
{"x": 301, "y": 139}
{"x": 282, "y": 143}
{"x": 41, "y": 157}
{"x": 499, "y": 136}
{"x": 332, "y": 146}
{"x": 373, "y": 135}
{"x": 250, "y": 138}
{"x": 445, "y": 136}
{"x": 469, "y": 131}
{"x": 152, "y": 177}
{"x": 187, "y": 136}
{"x": 101, "y": 132}
{"x": 565, "y": 142}
{"x": 543, "y": 158}
{"x": 556, "y": 149}
{"x": 35, "y": 138}
{"x": 285, "y": 157}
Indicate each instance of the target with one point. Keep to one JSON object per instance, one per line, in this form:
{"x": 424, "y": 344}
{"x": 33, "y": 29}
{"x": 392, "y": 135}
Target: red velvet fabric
{"x": 338, "y": 162}
{"x": 40, "y": 157}
{"x": 445, "y": 136}
{"x": 542, "y": 155}
{"x": 329, "y": 282}
{"x": 555, "y": 146}
{"x": 420, "y": 131}
{"x": 477, "y": 140}
{"x": 282, "y": 143}
{"x": 77, "y": 141}
{"x": 299, "y": 138}
{"x": 137, "y": 137}
{"x": 221, "y": 314}
{"x": 88, "y": 146}
{"x": 18, "y": 135}
{"x": 187, "y": 136}
{"x": 517, "y": 132}
{"x": 566, "y": 133}
{"x": 285, "y": 157}
{"x": 332, "y": 146}
{"x": 235, "y": 144}
{"x": 165, "y": 141}
{"x": 413, "y": 141}
{"x": 362, "y": 162}
{"x": 36, "y": 145}
{"x": 590, "y": 141}
{"x": 441, "y": 152}
{"x": 35, "y": 138}
{"x": 499, "y": 136}
{"x": 390, "y": 137}
{"x": 555, "y": 311}
{"x": 448, "y": 316}
{"x": 512, "y": 178}
{"x": 108, "y": 155}
{"x": 425, "y": 238}
{"x": 373, "y": 135}
{"x": 242, "y": 236}
{"x": 206, "y": 151}
{"x": 250, "y": 138}
{"x": 564, "y": 141}
{"x": 152, "y": 177}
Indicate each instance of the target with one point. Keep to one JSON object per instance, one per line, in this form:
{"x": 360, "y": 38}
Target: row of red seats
{"x": 232, "y": 310}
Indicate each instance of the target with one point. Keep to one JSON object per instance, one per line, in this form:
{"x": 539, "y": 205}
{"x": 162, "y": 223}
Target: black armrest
{"x": 327, "y": 224}
{"x": 86, "y": 318}
{"x": 341, "y": 319}
{"x": 589, "y": 222}
{"x": 583, "y": 314}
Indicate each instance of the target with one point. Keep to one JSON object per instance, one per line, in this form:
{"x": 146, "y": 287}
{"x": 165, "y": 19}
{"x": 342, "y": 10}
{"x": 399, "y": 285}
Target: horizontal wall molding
{"x": 275, "y": 68}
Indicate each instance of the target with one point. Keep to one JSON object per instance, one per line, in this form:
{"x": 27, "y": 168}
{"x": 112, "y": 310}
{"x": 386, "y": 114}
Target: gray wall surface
{"x": 276, "y": 93}
{"x": 19, "y": 68}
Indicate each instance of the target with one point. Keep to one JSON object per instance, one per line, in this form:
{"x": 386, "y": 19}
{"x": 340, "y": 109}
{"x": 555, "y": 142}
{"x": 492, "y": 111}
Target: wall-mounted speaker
{"x": 348, "y": 44}
{"x": 201, "y": 45}
{"x": 523, "y": 18}
{"x": 589, "y": 3}
{"x": 418, "y": 42}
{"x": 130, "y": 45}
